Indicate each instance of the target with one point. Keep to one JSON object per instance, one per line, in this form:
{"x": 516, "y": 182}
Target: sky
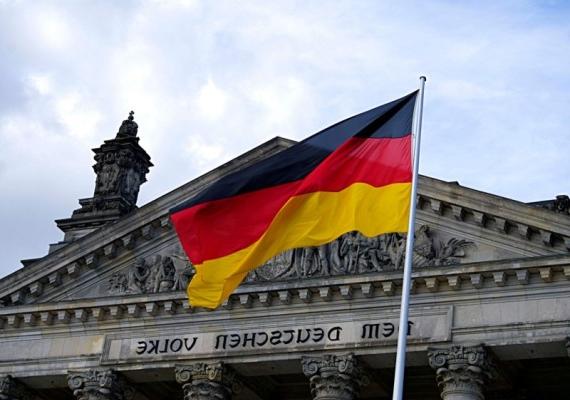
{"x": 209, "y": 80}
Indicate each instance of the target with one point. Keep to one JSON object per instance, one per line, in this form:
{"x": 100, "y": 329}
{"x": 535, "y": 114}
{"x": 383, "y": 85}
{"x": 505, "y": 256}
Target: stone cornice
{"x": 517, "y": 221}
{"x": 123, "y": 235}
{"x": 477, "y": 276}
{"x": 494, "y": 206}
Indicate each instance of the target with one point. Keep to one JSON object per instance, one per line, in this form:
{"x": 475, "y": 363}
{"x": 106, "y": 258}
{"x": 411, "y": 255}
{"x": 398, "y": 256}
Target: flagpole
{"x": 407, "y": 279}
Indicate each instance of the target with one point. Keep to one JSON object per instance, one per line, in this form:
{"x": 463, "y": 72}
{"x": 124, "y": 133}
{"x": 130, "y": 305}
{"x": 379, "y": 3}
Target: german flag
{"x": 354, "y": 175}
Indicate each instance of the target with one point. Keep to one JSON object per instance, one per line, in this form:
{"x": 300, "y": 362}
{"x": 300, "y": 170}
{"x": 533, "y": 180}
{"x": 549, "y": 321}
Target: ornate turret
{"x": 121, "y": 165}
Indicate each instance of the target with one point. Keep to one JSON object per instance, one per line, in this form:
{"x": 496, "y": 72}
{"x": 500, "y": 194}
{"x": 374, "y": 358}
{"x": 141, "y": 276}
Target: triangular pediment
{"x": 140, "y": 254}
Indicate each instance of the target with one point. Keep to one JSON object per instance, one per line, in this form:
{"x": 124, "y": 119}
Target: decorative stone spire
{"x": 129, "y": 127}
{"x": 121, "y": 165}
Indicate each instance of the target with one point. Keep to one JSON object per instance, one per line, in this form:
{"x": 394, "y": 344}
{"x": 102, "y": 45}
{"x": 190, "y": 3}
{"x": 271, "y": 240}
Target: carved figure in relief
{"x": 423, "y": 244}
{"x": 184, "y": 270}
{"x": 281, "y": 266}
{"x": 351, "y": 253}
{"x": 152, "y": 282}
{"x": 310, "y": 260}
{"x": 372, "y": 255}
{"x": 165, "y": 276}
{"x": 156, "y": 274}
{"x": 107, "y": 179}
{"x": 395, "y": 249}
{"x": 137, "y": 276}
{"x": 562, "y": 204}
{"x": 131, "y": 185}
{"x": 117, "y": 283}
{"x": 354, "y": 253}
{"x": 335, "y": 259}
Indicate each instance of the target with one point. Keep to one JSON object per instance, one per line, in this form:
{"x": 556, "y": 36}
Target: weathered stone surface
{"x": 354, "y": 253}
{"x": 11, "y": 389}
{"x": 462, "y": 371}
{"x": 99, "y": 384}
{"x": 334, "y": 377}
{"x": 487, "y": 269}
{"x": 121, "y": 165}
{"x": 202, "y": 381}
{"x": 156, "y": 274}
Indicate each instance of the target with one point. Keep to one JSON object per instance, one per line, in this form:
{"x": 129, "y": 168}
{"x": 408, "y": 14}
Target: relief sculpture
{"x": 350, "y": 254}
{"x": 151, "y": 275}
{"x": 354, "y": 253}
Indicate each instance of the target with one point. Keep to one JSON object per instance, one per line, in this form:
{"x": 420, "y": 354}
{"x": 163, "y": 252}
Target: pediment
{"x": 140, "y": 253}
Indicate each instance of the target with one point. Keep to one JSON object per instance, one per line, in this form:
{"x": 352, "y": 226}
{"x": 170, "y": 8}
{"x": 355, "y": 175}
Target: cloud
{"x": 209, "y": 80}
{"x": 211, "y": 101}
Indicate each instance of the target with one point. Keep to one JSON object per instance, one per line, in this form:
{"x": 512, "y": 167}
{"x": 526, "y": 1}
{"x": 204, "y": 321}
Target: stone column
{"x": 99, "y": 384}
{"x": 202, "y": 381}
{"x": 11, "y": 389}
{"x": 334, "y": 377}
{"x": 461, "y": 371}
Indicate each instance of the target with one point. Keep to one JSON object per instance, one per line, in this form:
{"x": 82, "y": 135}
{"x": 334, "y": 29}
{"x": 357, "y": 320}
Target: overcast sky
{"x": 209, "y": 80}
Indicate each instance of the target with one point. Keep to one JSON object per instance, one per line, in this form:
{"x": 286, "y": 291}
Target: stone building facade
{"x": 104, "y": 314}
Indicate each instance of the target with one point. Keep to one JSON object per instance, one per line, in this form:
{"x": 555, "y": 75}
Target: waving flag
{"x": 354, "y": 175}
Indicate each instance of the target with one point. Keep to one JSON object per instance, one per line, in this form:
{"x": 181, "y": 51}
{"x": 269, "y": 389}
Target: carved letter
{"x": 176, "y": 348}
{"x": 291, "y": 333}
{"x": 165, "y": 347}
{"x": 260, "y": 343}
{"x": 234, "y": 340}
{"x": 299, "y": 335}
{"x": 275, "y": 337}
{"x": 248, "y": 338}
{"x": 370, "y": 331}
{"x": 318, "y": 334}
{"x": 334, "y": 334}
{"x": 223, "y": 344}
{"x": 153, "y": 347}
{"x": 191, "y": 346}
{"x": 410, "y": 323}
{"x": 142, "y": 347}
{"x": 388, "y": 329}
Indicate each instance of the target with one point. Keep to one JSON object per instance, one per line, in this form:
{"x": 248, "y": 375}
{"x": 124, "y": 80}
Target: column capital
{"x": 11, "y": 389}
{"x": 462, "y": 371}
{"x": 99, "y": 384}
{"x": 208, "y": 381}
{"x": 334, "y": 377}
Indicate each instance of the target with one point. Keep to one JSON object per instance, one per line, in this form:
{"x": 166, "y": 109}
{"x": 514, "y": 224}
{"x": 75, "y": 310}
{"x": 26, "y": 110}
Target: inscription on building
{"x": 432, "y": 327}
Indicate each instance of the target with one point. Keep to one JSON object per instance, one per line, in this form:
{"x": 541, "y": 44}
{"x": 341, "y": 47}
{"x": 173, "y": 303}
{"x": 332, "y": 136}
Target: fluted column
{"x": 99, "y": 384}
{"x": 334, "y": 377}
{"x": 462, "y": 371}
{"x": 202, "y": 381}
{"x": 11, "y": 389}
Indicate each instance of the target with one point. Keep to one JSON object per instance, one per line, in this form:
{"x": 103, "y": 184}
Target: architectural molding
{"x": 544, "y": 230}
{"x": 462, "y": 371}
{"x": 334, "y": 377}
{"x": 203, "y": 381}
{"x": 466, "y": 277}
{"x": 11, "y": 389}
{"x": 354, "y": 254}
{"x": 99, "y": 384}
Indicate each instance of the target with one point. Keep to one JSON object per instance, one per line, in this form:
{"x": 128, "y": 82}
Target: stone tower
{"x": 121, "y": 165}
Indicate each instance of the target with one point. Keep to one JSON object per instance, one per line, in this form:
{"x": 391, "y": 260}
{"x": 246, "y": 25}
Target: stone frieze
{"x": 351, "y": 254}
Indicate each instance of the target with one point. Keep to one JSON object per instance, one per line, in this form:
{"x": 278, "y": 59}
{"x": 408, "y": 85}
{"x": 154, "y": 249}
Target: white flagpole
{"x": 407, "y": 279}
